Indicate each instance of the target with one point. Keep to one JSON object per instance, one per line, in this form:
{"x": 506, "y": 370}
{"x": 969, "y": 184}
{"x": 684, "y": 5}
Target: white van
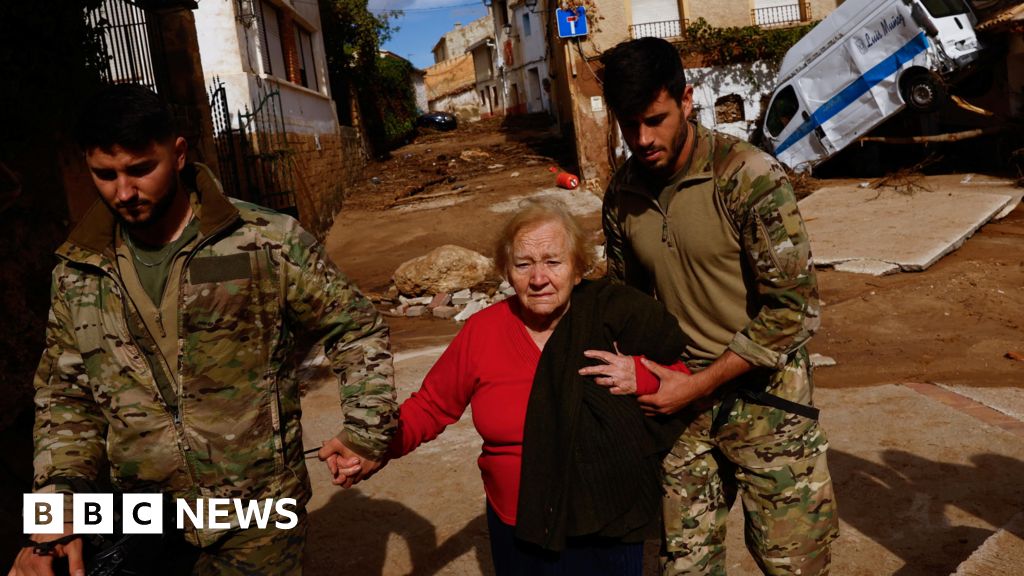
{"x": 865, "y": 62}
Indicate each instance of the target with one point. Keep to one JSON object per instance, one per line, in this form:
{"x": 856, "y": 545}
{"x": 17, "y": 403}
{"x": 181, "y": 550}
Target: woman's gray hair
{"x": 534, "y": 212}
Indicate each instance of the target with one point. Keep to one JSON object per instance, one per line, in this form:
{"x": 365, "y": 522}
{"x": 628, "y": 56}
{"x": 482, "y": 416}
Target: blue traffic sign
{"x": 572, "y": 22}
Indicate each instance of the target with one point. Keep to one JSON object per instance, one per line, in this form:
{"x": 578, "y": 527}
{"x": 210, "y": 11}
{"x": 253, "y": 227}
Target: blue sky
{"x": 424, "y": 22}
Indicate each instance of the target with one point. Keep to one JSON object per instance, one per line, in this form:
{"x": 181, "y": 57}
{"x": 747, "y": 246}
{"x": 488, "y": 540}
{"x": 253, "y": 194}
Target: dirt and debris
{"x": 442, "y": 163}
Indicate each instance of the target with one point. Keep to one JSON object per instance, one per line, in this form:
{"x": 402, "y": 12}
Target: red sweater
{"x": 490, "y": 366}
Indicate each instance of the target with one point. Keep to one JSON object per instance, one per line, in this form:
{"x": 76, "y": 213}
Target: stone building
{"x": 512, "y": 64}
{"x": 451, "y": 87}
{"x": 456, "y": 42}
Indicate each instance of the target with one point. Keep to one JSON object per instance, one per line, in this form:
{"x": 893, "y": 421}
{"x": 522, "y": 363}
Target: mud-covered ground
{"x": 952, "y": 324}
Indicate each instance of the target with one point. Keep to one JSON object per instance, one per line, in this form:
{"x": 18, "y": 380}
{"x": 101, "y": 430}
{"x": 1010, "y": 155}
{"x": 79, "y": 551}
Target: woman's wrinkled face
{"x": 542, "y": 270}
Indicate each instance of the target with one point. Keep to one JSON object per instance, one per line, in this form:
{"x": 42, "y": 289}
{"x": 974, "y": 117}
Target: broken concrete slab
{"x": 470, "y": 309}
{"x": 872, "y": 267}
{"x": 991, "y": 185}
{"x": 1001, "y": 555}
{"x": 908, "y": 230}
{"x": 1006, "y": 399}
{"x": 822, "y": 361}
{"x": 445, "y": 312}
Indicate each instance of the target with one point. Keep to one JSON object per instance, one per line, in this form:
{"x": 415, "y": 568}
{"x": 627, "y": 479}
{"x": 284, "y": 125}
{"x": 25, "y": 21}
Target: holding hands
{"x": 347, "y": 468}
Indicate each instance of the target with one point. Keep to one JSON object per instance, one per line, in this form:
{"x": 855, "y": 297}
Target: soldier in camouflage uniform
{"x": 709, "y": 225}
{"x": 176, "y": 321}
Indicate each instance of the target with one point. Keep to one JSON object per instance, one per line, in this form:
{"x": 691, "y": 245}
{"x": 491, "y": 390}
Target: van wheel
{"x": 923, "y": 92}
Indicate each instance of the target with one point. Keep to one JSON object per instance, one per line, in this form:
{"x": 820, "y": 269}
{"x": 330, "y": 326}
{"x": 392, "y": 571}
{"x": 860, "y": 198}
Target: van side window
{"x": 943, "y": 8}
{"x": 783, "y": 110}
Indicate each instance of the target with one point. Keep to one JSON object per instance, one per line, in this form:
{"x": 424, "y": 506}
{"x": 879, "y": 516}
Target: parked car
{"x": 438, "y": 121}
{"x": 866, "y": 61}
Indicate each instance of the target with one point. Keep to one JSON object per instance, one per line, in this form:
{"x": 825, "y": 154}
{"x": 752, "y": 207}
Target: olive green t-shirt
{"x": 154, "y": 264}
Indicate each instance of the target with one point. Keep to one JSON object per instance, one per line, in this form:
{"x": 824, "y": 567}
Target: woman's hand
{"x": 618, "y": 373}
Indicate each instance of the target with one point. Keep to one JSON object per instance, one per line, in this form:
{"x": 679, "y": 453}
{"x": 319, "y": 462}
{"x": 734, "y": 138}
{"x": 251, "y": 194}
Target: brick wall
{"x": 322, "y": 176}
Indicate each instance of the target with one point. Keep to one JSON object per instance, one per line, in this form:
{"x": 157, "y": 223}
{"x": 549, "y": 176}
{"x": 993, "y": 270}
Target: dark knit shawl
{"x": 591, "y": 460}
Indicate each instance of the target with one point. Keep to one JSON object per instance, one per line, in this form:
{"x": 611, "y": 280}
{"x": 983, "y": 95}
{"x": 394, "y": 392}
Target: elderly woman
{"x": 571, "y": 472}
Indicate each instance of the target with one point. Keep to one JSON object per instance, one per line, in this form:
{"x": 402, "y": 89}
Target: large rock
{"x": 445, "y": 269}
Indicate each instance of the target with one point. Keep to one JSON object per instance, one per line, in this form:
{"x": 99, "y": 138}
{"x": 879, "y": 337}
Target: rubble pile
{"x": 445, "y": 269}
{"x": 449, "y": 282}
{"x": 458, "y": 306}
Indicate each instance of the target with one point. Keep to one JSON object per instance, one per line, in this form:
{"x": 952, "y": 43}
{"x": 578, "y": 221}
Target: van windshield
{"x": 783, "y": 109}
{"x": 943, "y": 8}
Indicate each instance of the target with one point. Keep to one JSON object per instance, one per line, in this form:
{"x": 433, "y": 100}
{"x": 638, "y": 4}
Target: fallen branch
{"x": 937, "y": 138}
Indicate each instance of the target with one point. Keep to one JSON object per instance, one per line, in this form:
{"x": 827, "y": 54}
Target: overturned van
{"x": 865, "y": 62}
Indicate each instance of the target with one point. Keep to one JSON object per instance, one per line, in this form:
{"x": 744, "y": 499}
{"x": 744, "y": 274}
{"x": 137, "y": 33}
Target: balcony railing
{"x": 663, "y": 29}
{"x": 780, "y": 16}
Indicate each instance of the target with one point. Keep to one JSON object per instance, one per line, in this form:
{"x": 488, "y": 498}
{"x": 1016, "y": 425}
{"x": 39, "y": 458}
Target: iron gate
{"x": 121, "y": 27}
{"x": 255, "y": 158}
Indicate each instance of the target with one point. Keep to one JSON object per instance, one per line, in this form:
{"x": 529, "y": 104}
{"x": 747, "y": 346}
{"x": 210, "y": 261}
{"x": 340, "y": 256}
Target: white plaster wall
{"x": 483, "y": 63}
{"x": 774, "y": 3}
{"x": 645, "y": 11}
{"x": 536, "y": 101}
{"x": 465, "y": 105}
{"x": 532, "y": 53}
{"x": 752, "y": 82}
{"x": 230, "y": 51}
{"x": 420, "y": 88}
{"x": 532, "y": 46}
{"x": 221, "y": 49}
{"x": 306, "y": 111}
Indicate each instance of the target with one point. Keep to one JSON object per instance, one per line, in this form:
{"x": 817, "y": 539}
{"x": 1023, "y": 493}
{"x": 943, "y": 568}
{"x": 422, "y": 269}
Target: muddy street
{"x": 916, "y": 405}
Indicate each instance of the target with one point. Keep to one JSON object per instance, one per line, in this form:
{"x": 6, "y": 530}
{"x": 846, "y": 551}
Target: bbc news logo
{"x": 144, "y": 513}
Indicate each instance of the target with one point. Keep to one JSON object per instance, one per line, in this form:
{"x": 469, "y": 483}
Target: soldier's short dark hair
{"x": 635, "y": 72}
{"x": 127, "y": 115}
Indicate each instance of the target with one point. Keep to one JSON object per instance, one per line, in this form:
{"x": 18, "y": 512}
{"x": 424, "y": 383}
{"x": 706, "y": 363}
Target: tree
{"x": 352, "y": 39}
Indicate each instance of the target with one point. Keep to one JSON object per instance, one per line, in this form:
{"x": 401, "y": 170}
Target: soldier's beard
{"x": 670, "y": 164}
{"x": 157, "y": 213}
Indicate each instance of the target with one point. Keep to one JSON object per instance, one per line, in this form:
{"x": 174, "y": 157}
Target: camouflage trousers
{"x": 255, "y": 552}
{"x": 775, "y": 462}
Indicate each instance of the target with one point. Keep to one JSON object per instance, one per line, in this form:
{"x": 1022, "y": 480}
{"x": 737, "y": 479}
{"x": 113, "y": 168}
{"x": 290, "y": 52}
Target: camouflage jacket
{"x": 723, "y": 245}
{"x": 254, "y": 287}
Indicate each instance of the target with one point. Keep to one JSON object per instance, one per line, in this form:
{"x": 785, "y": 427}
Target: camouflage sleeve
{"x": 777, "y": 248}
{"x": 355, "y": 340}
{"x": 70, "y": 429}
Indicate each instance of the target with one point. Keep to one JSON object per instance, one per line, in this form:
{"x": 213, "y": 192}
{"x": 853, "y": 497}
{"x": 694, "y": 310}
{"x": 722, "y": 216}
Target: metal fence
{"x": 662, "y": 29}
{"x": 780, "y": 16}
{"x": 270, "y": 163}
{"x": 256, "y": 162}
{"x": 121, "y": 27}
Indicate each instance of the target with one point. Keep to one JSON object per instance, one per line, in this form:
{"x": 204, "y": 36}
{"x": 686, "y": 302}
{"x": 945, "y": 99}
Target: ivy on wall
{"x": 706, "y": 45}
